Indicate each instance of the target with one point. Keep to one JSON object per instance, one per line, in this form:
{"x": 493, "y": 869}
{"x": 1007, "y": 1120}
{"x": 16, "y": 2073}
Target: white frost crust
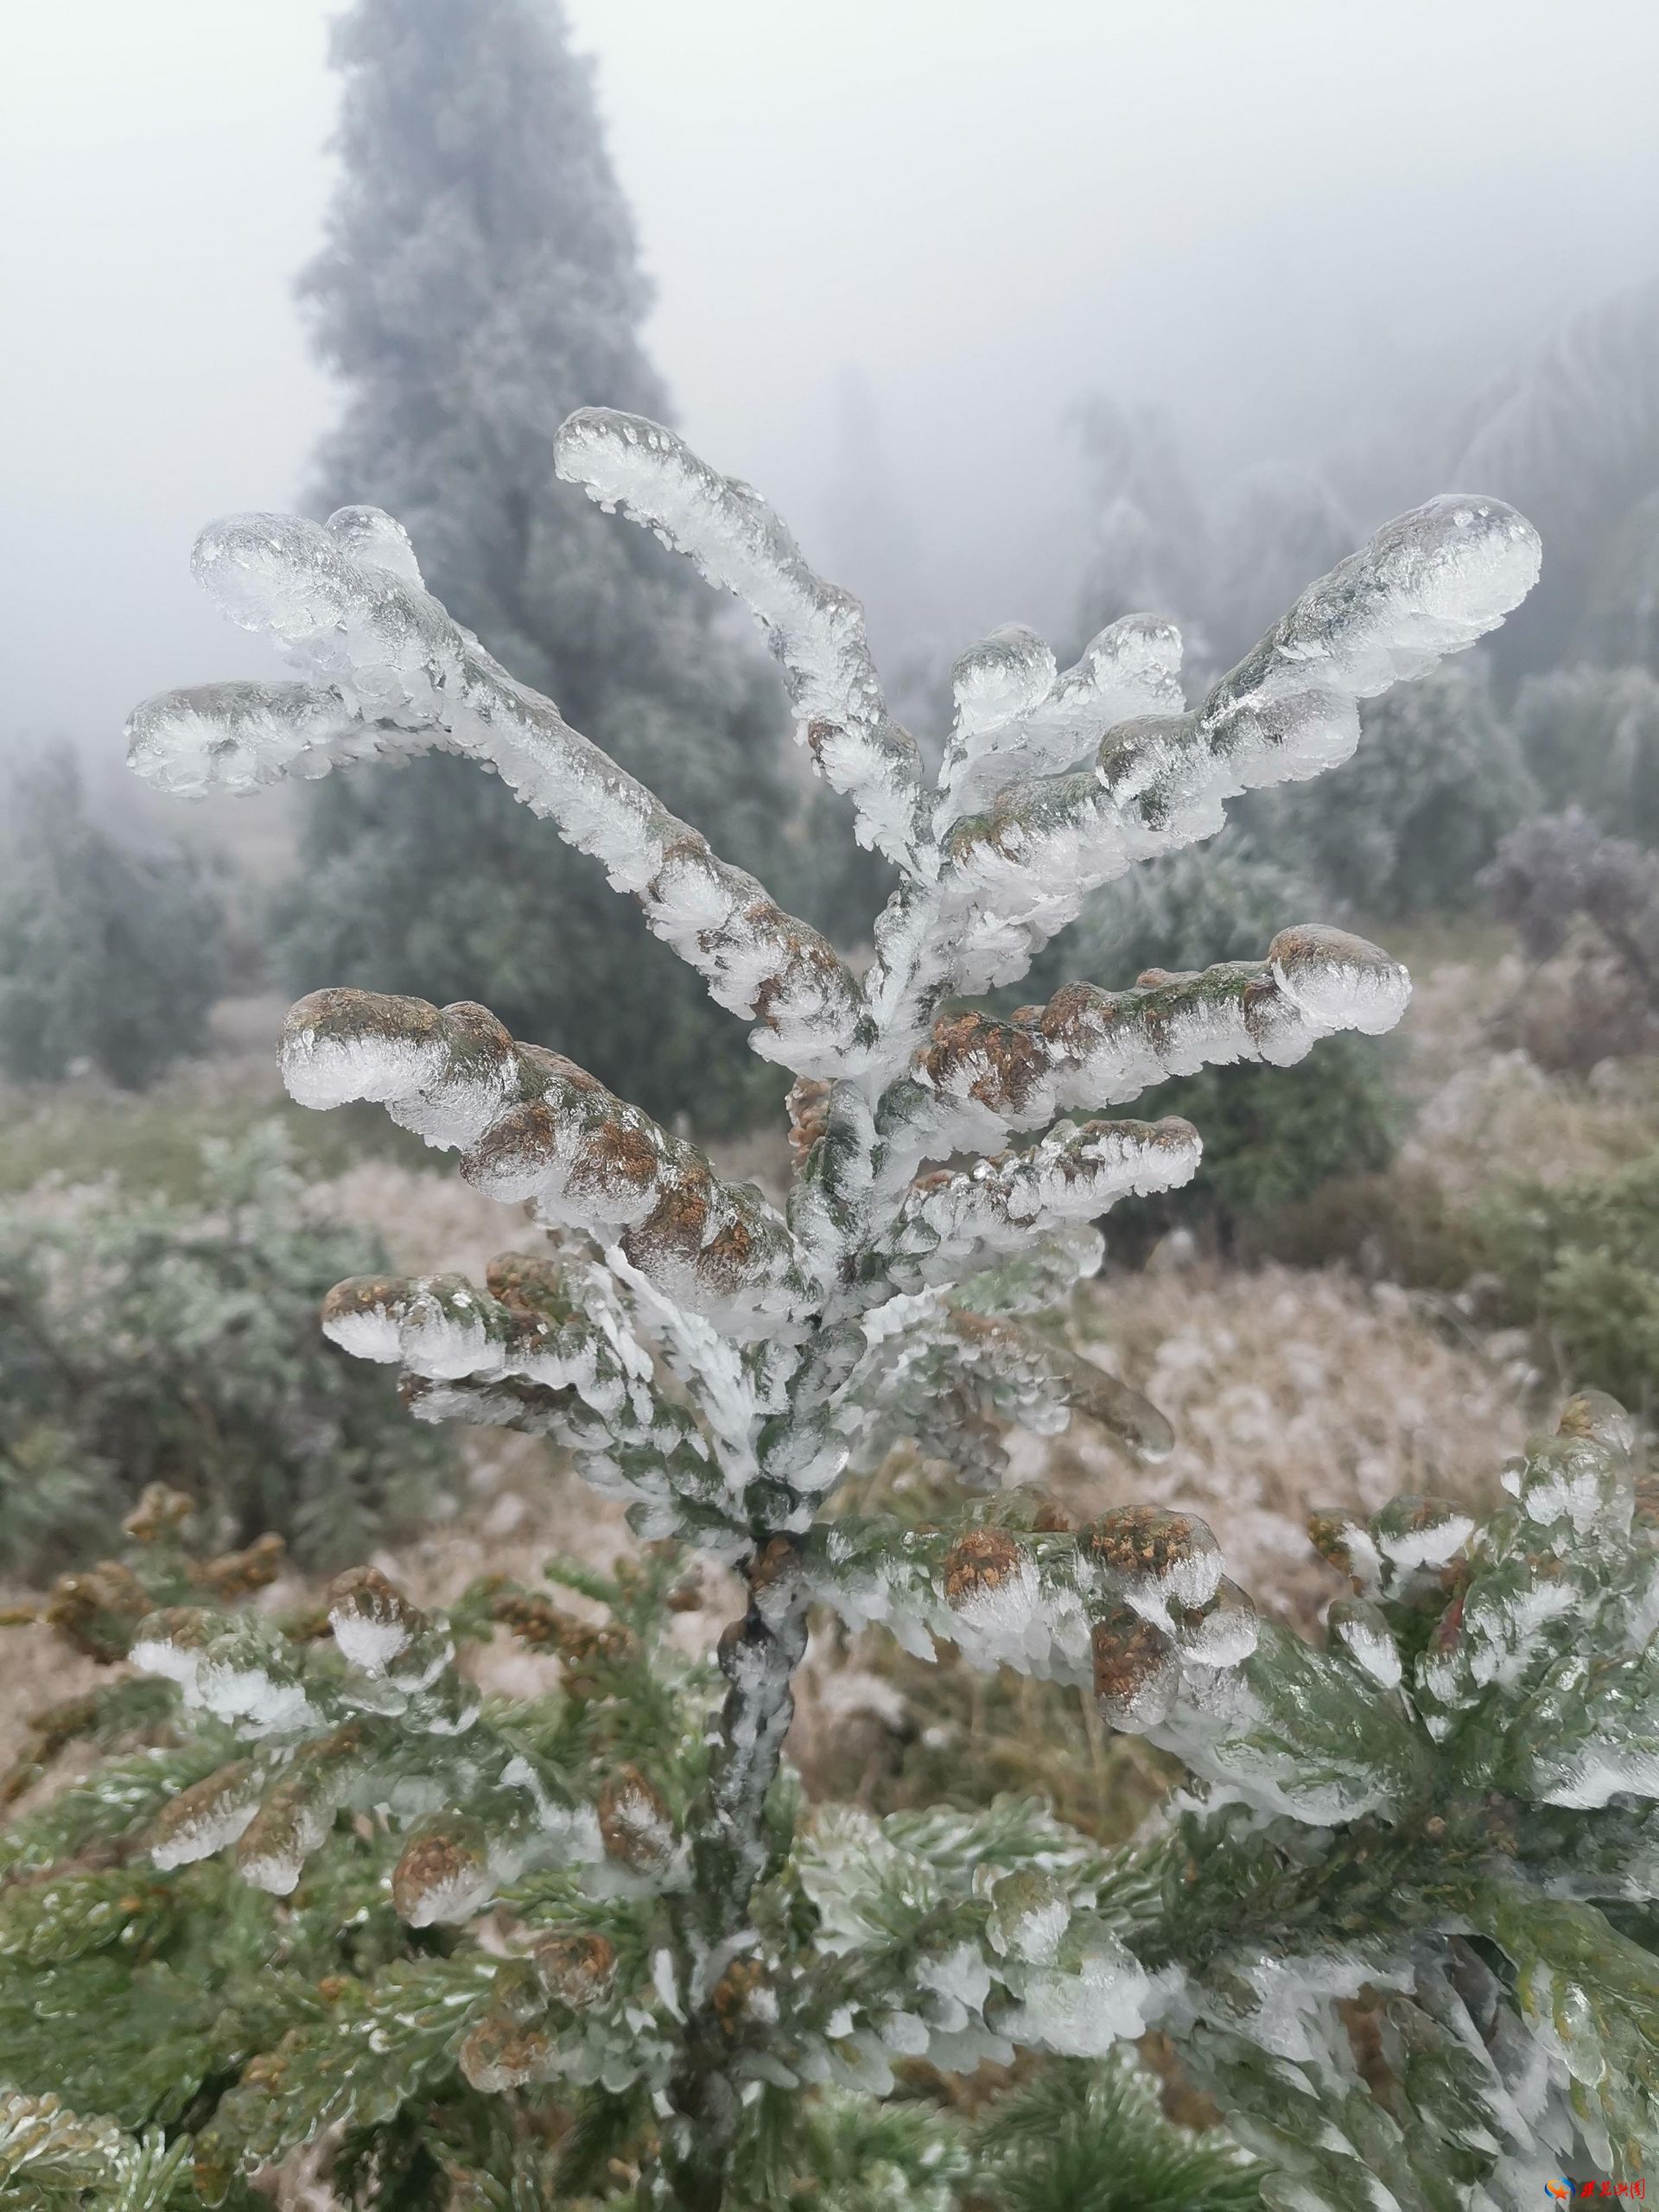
{"x": 372, "y": 1641}
{"x": 1502, "y": 1630}
{"x": 1336, "y": 981}
{"x": 1050, "y": 1639}
{"x": 238, "y": 737}
{"x": 1084, "y": 2013}
{"x": 1370, "y": 1646}
{"x": 463, "y": 1891}
{"x": 325, "y": 1070}
{"x": 1428, "y": 584}
{"x": 711, "y": 1368}
{"x": 1435, "y": 1545}
{"x": 215, "y": 1824}
{"x": 277, "y": 1869}
{"x": 1006, "y": 726}
{"x": 1033, "y": 1931}
{"x": 264, "y": 1703}
{"x": 815, "y": 629}
{"x": 1575, "y": 1481}
{"x": 388, "y": 669}
{"x": 1039, "y": 1617}
{"x": 1602, "y": 1772}
{"x": 1292, "y": 2018}
{"x": 441, "y": 1328}
{"x": 535, "y": 1130}
{"x": 1091, "y": 1048}
{"x": 1073, "y": 1174}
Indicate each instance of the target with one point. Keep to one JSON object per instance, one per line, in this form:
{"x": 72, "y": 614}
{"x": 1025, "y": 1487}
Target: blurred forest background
{"x": 1165, "y": 310}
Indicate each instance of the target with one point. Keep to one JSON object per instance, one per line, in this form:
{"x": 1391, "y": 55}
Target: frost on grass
{"x": 722, "y": 1365}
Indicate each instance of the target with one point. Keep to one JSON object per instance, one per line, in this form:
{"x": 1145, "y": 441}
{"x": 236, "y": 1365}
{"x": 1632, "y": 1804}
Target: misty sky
{"x": 1284, "y": 218}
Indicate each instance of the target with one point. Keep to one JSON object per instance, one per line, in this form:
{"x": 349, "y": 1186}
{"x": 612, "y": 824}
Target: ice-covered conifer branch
{"x": 1133, "y": 1604}
{"x": 978, "y": 1078}
{"x": 949, "y": 1379}
{"x": 923, "y": 1951}
{"x": 530, "y": 1125}
{"x": 387, "y": 670}
{"x": 815, "y": 629}
{"x": 1428, "y": 584}
{"x": 545, "y": 1347}
{"x": 478, "y": 1810}
{"x": 1016, "y": 717}
{"x": 950, "y": 1224}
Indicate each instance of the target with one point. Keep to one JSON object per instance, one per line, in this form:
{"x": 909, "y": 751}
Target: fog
{"x": 930, "y": 225}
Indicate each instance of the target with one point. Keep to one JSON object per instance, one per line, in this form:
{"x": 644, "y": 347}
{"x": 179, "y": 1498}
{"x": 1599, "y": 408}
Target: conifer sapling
{"x": 1422, "y": 1813}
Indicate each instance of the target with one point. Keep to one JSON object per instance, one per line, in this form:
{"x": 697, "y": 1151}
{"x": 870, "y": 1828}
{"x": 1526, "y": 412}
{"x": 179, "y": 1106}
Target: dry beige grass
{"x": 429, "y": 1222}
{"x": 1484, "y": 1110}
{"x": 1286, "y": 1391}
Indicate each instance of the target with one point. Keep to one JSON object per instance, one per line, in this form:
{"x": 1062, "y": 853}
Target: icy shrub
{"x": 1398, "y": 1927}
{"x": 109, "y": 957}
{"x": 680, "y": 1953}
{"x": 1272, "y": 1136}
{"x": 280, "y": 1966}
{"x": 1590, "y": 738}
{"x": 1396, "y": 1226}
{"x": 1578, "y": 1262}
{"x": 1407, "y": 828}
{"x": 143, "y": 1340}
{"x": 1565, "y": 887}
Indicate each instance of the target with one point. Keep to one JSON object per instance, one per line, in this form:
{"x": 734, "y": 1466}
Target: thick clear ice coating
{"x": 718, "y": 1362}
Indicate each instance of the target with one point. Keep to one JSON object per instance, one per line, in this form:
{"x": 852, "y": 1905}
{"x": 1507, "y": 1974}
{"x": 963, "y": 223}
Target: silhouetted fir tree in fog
{"x": 1150, "y": 543}
{"x": 1279, "y": 523}
{"x": 479, "y": 280}
{"x": 1620, "y": 626}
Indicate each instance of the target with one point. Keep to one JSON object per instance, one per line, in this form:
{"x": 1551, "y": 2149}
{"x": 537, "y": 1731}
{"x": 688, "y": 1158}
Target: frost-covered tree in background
{"x": 1570, "y": 434}
{"x": 1589, "y": 736}
{"x": 1421, "y": 1816}
{"x": 1277, "y": 527}
{"x": 1150, "y": 542}
{"x": 1224, "y": 570}
{"x": 481, "y": 278}
{"x": 1406, "y": 826}
{"x": 1568, "y": 888}
{"x": 110, "y": 957}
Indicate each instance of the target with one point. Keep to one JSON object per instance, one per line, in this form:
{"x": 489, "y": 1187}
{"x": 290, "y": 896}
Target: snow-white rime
{"x": 815, "y": 629}
{"x": 407, "y": 679}
{"x": 721, "y": 1363}
{"x": 1049, "y": 721}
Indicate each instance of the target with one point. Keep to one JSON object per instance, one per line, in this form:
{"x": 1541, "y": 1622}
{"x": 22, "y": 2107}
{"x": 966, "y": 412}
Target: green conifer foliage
{"x": 1400, "y": 1927}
